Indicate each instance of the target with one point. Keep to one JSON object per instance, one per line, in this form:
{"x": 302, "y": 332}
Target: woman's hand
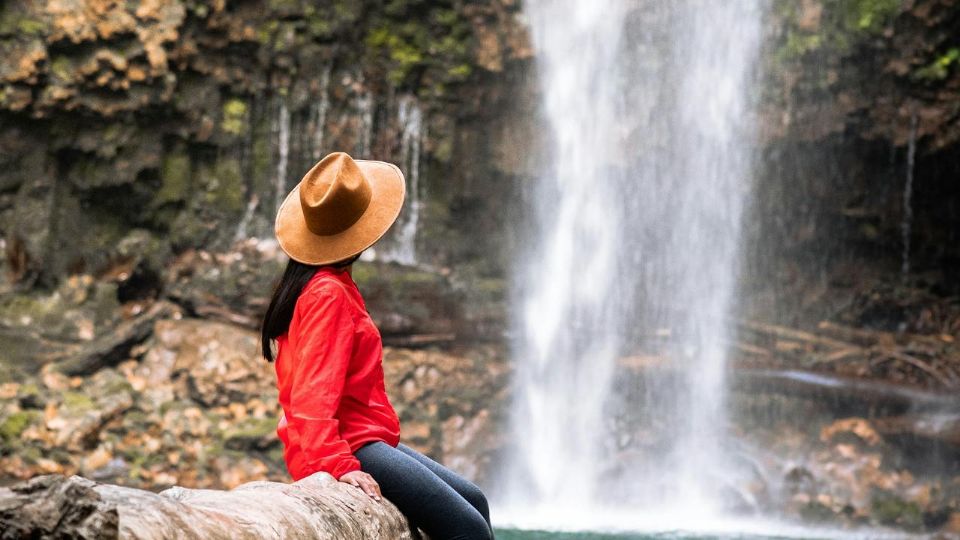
{"x": 363, "y": 481}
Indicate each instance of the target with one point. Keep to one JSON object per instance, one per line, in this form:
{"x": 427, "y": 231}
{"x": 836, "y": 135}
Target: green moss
{"x": 888, "y": 509}
{"x": 174, "y": 177}
{"x": 262, "y": 157}
{"x": 267, "y": 30}
{"x": 320, "y": 27}
{"x": 77, "y": 401}
{"x": 363, "y": 273}
{"x": 31, "y": 27}
{"x": 234, "y": 116}
{"x": 427, "y": 47}
{"x": 62, "y": 68}
{"x": 868, "y": 15}
{"x": 13, "y": 425}
{"x": 252, "y": 428}
{"x": 17, "y": 23}
{"x": 288, "y": 7}
{"x": 843, "y": 24}
{"x": 225, "y": 186}
{"x": 939, "y": 69}
{"x": 460, "y": 72}
{"x": 816, "y": 512}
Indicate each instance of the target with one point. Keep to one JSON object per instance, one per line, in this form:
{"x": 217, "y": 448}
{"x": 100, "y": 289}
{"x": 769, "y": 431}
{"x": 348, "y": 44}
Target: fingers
{"x": 371, "y": 488}
{"x": 367, "y": 484}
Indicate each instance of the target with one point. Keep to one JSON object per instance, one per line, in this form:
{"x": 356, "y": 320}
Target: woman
{"x": 336, "y": 414}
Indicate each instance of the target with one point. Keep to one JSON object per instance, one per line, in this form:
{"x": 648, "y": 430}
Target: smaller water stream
{"x": 283, "y": 152}
{"x": 400, "y": 246}
{"x": 907, "y": 223}
{"x": 319, "y": 111}
{"x": 364, "y": 108}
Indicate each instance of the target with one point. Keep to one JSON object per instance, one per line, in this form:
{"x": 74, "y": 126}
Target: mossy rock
{"x": 15, "y": 23}
{"x": 14, "y": 425}
{"x": 252, "y": 434}
{"x": 889, "y": 509}
{"x": 174, "y": 178}
{"x": 77, "y": 402}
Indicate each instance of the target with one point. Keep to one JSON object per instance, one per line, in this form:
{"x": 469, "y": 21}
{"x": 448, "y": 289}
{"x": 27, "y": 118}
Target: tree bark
{"x": 314, "y": 508}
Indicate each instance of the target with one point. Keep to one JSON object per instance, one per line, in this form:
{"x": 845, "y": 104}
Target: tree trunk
{"x": 316, "y": 507}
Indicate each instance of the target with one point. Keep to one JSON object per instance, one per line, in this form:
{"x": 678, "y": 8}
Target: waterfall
{"x": 283, "y": 152}
{"x": 632, "y": 252}
{"x": 401, "y": 245}
{"x": 364, "y": 106}
{"x": 907, "y": 222}
{"x": 319, "y": 114}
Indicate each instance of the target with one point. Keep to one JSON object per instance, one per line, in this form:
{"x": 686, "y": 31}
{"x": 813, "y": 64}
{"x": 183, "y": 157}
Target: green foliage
{"x": 840, "y": 26}
{"x": 867, "y": 15}
{"x": 939, "y": 69}
{"x": 234, "y": 116}
{"x": 422, "y": 43}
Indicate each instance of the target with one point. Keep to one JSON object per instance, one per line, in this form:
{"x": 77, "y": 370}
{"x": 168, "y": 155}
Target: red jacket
{"x": 330, "y": 377}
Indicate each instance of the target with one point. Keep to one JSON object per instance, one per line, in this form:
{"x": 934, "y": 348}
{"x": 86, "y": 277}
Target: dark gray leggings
{"x": 434, "y": 498}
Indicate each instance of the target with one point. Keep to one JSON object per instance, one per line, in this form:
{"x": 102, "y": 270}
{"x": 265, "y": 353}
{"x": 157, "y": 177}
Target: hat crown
{"x": 334, "y": 194}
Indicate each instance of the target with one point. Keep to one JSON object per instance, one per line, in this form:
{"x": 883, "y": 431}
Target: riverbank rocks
{"x": 218, "y": 364}
{"x": 196, "y": 405}
{"x": 316, "y": 507}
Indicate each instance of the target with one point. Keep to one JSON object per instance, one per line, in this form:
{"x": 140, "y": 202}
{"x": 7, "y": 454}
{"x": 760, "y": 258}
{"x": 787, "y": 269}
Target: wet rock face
{"x": 188, "y": 122}
{"x": 850, "y": 88}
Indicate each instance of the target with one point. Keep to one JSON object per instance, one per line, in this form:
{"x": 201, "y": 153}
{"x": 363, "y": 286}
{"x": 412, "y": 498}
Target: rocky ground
{"x": 191, "y": 402}
{"x": 167, "y": 388}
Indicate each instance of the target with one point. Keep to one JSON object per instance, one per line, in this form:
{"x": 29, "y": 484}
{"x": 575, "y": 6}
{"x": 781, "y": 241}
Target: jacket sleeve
{"x": 326, "y": 344}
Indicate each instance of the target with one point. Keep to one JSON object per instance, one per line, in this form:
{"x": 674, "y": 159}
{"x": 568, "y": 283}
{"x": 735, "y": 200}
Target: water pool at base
{"x": 521, "y": 534}
{"x": 518, "y": 534}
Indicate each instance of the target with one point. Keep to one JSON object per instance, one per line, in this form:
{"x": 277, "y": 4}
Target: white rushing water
{"x": 633, "y": 252}
{"x": 364, "y": 107}
{"x": 400, "y": 245}
{"x": 907, "y": 222}
{"x": 283, "y": 152}
{"x": 318, "y": 112}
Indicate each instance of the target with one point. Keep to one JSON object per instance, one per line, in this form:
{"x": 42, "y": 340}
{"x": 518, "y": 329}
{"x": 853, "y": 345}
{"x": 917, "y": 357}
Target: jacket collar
{"x": 343, "y": 276}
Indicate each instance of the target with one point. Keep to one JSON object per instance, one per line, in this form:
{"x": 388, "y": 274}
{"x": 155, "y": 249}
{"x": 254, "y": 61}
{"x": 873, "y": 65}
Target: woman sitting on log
{"x": 336, "y": 414}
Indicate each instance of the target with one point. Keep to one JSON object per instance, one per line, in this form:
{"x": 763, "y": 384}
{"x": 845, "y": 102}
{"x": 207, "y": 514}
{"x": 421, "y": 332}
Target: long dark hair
{"x": 276, "y": 320}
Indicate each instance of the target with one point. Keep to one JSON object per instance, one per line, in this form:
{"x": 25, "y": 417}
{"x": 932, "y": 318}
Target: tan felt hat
{"x": 340, "y": 207}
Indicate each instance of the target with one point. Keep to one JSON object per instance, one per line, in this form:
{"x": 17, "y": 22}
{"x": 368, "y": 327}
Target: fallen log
{"x": 316, "y": 507}
{"x": 112, "y": 348}
{"x": 793, "y": 334}
{"x": 861, "y": 396}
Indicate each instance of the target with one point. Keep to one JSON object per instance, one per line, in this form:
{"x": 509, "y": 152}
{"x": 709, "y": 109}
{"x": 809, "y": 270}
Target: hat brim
{"x": 300, "y": 244}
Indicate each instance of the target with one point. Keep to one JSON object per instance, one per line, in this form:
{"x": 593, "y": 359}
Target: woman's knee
{"x": 473, "y": 527}
{"x": 476, "y": 498}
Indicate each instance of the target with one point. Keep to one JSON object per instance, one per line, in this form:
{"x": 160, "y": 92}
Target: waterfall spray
{"x": 635, "y": 237}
